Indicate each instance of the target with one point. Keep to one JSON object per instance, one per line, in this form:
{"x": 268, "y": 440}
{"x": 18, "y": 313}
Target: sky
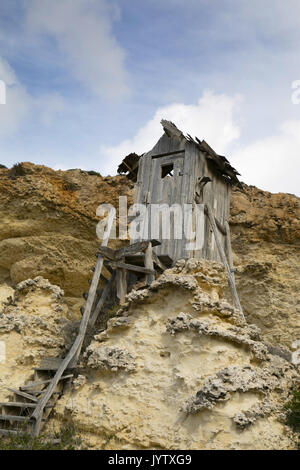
{"x": 88, "y": 81}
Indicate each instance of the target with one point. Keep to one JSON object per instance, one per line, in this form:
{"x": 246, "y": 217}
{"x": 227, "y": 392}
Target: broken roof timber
{"x": 220, "y": 162}
{"x": 129, "y": 166}
{"x": 130, "y": 163}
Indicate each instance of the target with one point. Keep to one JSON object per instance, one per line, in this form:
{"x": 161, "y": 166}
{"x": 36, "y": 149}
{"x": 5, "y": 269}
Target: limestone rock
{"x": 35, "y": 322}
{"x": 174, "y": 372}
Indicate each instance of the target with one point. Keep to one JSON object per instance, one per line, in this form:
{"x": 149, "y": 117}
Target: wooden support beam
{"x": 131, "y": 267}
{"x": 105, "y": 293}
{"x": 121, "y": 285}
{"x": 218, "y": 223}
{"x": 149, "y": 264}
{"x": 72, "y": 356}
{"x": 229, "y": 250}
{"x": 117, "y": 255}
{"x": 224, "y": 259}
{"x": 157, "y": 261}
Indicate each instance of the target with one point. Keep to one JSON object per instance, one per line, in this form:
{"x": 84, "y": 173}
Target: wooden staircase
{"x": 30, "y": 405}
{"x": 16, "y": 414}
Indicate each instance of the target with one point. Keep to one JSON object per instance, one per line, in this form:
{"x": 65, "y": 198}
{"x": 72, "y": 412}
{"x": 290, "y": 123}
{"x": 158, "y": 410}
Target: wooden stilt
{"x": 224, "y": 259}
{"x": 229, "y": 250}
{"x": 149, "y": 263}
{"x": 104, "y": 295}
{"x": 121, "y": 285}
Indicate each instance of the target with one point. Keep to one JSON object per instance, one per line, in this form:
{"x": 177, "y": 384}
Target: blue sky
{"x": 89, "y": 80}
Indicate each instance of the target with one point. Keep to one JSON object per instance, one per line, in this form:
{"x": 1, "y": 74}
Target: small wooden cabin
{"x": 182, "y": 170}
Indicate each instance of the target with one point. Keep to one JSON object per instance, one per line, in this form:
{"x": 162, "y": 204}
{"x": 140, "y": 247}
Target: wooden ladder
{"x": 114, "y": 260}
{"x": 16, "y": 414}
{"x": 70, "y": 361}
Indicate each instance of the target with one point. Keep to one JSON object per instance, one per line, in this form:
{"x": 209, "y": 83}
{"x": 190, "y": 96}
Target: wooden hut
{"x": 182, "y": 170}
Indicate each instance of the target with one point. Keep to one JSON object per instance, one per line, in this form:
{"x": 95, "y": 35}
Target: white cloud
{"x": 18, "y": 102}
{"x": 20, "y": 106}
{"x": 49, "y": 106}
{"x": 272, "y": 163}
{"x": 212, "y": 118}
{"x": 83, "y": 31}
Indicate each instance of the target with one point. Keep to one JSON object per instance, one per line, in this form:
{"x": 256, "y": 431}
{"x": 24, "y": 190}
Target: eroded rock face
{"x": 178, "y": 368}
{"x": 48, "y": 224}
{"x": 35, "y": 322}
{"x": 47, "y": 228}
{"x": 265, "y": 232}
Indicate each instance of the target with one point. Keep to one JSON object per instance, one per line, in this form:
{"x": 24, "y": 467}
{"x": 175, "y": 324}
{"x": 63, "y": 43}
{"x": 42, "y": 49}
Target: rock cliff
{"x": 176, "y": 367}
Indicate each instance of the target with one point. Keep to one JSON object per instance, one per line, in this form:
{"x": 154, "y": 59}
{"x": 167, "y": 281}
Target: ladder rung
{"x": 18, "y": 404}
{"x": 7, "y": 432}
{"x": 49, "y": 369}
{"x": 14, "y": 418}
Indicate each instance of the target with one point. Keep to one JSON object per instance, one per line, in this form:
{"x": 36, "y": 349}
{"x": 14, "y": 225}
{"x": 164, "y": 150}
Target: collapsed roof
{"x": 130, "y": 163}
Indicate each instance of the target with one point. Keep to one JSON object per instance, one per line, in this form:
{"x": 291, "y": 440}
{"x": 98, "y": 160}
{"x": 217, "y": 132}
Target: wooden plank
{"x": 167, "y": 191}
{"x": 115, "y": 255}
{"x": 175, "y": 152}
{"x": 157, "y": 261}
{"x": 136, "y": 248}
{"x": 23, "y": 394}
{"x": 229, "y": 250}
{"x": 145, "y": 178}
{"x": 131, "y": 267}
{"x": 149, "y": 263}
{"x": 121, "y": 285}
{"x": 100, "y": 304}
{"x": 224, "y": 260}
{"x": 186, "y": 196}
{"x": 220, "y": 226}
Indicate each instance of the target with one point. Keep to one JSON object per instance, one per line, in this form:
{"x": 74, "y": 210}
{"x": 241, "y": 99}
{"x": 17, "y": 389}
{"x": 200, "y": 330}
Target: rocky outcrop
{"x": 177, "y": 367}
{"x": 48, "y": 226}
{"x": 35, "y": 322}
{"x": 265, "y": 232}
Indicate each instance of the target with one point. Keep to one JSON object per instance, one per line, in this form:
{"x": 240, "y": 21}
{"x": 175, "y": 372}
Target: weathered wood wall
{"x": 189, "y": 164}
